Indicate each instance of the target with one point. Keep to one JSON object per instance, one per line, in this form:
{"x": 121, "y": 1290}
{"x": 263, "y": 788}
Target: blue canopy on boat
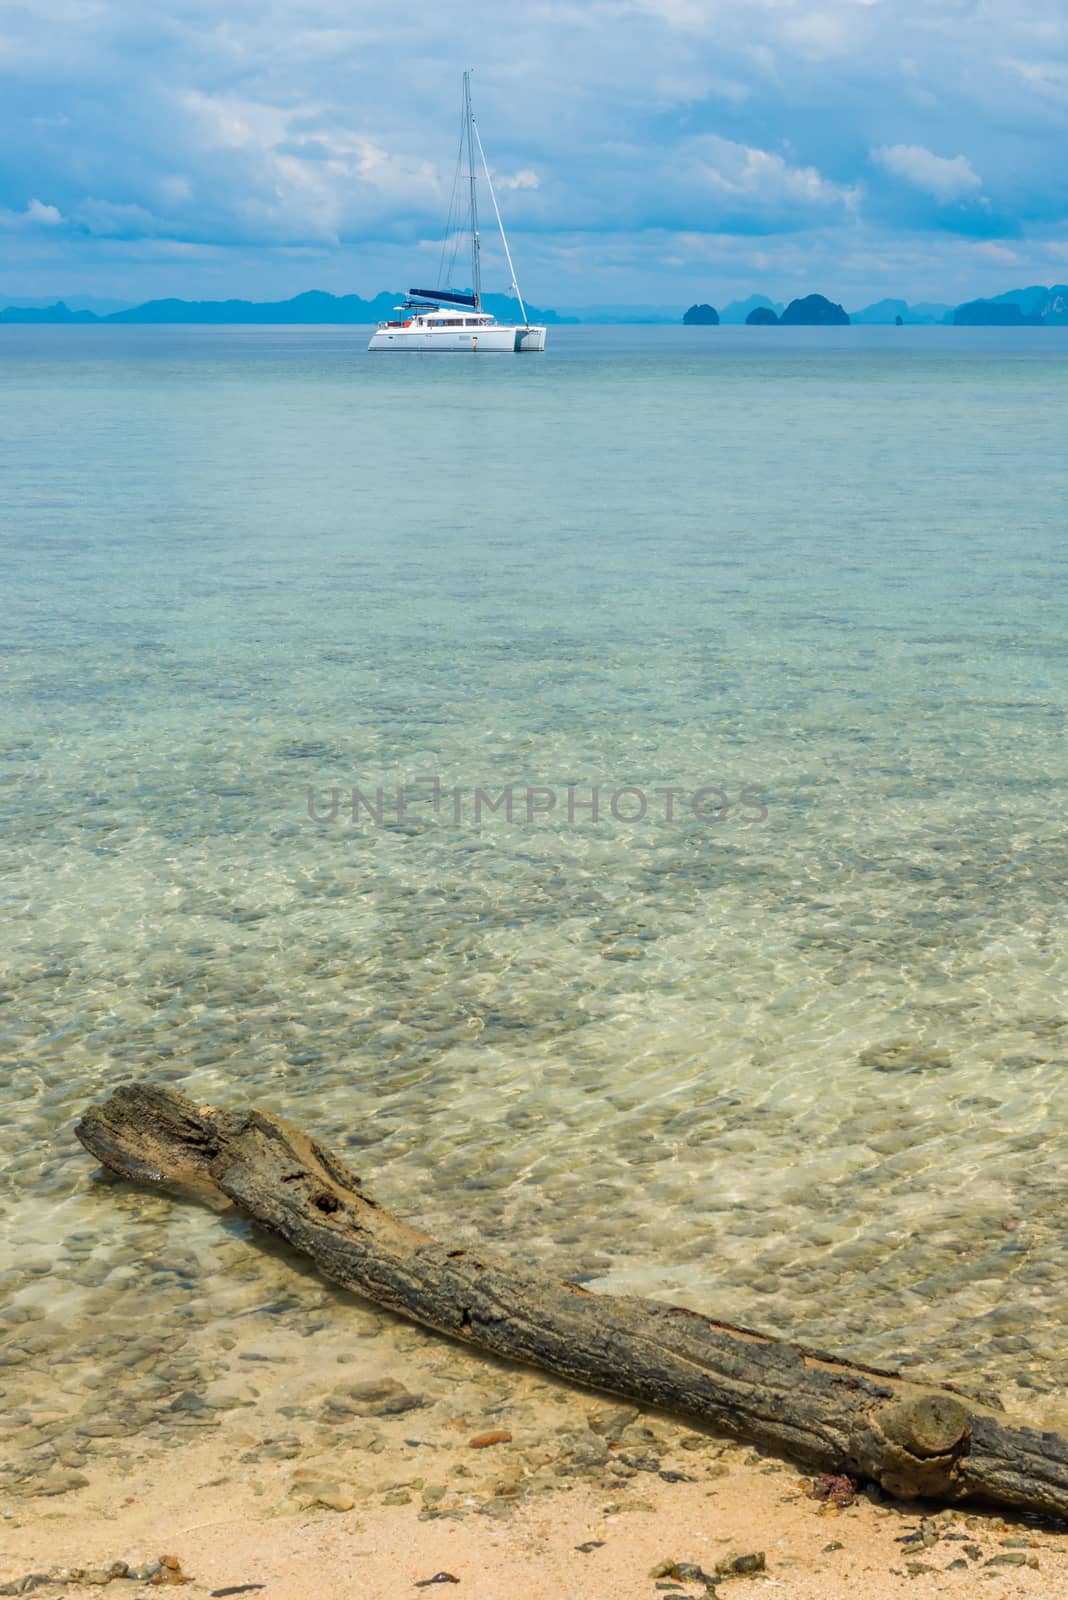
{"x": 447, "y": 296}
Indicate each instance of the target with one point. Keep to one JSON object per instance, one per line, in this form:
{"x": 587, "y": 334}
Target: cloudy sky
{"x": 647, "y": 151}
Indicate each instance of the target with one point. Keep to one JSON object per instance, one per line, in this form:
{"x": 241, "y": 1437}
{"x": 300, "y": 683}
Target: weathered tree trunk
{"x": 913, "y": 1439}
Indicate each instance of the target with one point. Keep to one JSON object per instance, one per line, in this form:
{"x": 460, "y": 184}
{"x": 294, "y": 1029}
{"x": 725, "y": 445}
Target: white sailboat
{"x": 442, "y": 319}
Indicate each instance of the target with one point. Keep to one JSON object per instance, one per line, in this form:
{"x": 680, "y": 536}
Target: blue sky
{"x": 655, "y": 151}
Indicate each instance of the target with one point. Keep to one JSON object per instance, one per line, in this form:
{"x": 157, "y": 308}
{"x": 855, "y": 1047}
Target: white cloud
{"x": 36, "y": 215}
{"x": 686, "y": 85}
{"x": 744, "y": 174}
{"x": 176, "y": 188}
{"x": 227, "y": 122}
{"x": 819, "y": 33}
{"x": 313, "y": 123}
{"x": 524, "y": 179}
{"x": 44, "y": 216}
{"x": 299, "y": 175}
{"x": 112, "y": 219}
{"x": 1047, "y": 77}
{"x": 990, "y": 250}
{"x": 945, "y": 178}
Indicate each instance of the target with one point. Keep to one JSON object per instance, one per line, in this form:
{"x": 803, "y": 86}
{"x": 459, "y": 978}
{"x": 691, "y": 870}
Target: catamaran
{"x": 443, "y": 319}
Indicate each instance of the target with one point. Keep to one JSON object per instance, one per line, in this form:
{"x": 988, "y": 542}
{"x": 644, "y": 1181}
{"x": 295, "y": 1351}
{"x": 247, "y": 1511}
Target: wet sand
{"x": 365, "y": 1488}
{"x": 227, "y": 1535}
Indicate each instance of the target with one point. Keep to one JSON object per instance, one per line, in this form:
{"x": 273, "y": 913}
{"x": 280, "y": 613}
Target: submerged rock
{"x": 60, "y": 1483}
{"x": 380, "y": 1397}
{"x": 904, "y": 1056}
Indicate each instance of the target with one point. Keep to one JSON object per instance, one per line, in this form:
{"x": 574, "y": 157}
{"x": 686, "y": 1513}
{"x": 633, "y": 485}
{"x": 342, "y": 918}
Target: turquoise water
{"x": 800, "y": 1060}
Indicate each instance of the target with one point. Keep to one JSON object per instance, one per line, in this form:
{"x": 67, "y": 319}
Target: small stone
{"x": 60, "y": 1482}
{"x": 103, "y": 1429}
{"x": 681, "y": 1571}
{"x": 610, "y": 1424}
{"x": 741, "y": 1566}
{"x": 309, "y": 1488}
{"x": 690, "y": 1572}
{"x": 397, "y": 1497}
{"x": 188, "y": 1401}
{"x": 1007, "y": 1558}
{"x": 381, "y": 1397}
{"x": 497, "y": 1508}
{"x": 280, "y": 1449}
{"x": 170, "y": 1571}
{"x": 482, "y": 1441}
{"x": 335, "y": 1502}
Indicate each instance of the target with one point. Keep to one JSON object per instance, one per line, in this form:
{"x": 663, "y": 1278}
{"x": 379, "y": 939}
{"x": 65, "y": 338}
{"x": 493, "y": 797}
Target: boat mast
{"x": 500, "y": 224}
{"x": 476, "y": 266}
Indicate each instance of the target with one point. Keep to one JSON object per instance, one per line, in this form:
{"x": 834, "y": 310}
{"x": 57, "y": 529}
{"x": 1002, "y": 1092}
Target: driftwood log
{"x": 914, "y": 1439}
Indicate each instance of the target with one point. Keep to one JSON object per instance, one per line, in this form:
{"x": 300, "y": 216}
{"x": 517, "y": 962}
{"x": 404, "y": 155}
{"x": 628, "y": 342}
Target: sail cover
{"x": 446, "y": 296}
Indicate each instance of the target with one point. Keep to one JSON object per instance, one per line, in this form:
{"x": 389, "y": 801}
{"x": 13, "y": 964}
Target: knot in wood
{"x": 925, "y": 1440}
{"x": 932, "y": 1425}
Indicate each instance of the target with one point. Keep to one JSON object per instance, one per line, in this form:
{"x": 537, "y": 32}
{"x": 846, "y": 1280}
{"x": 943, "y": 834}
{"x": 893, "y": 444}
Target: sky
{"x": 649, "y": 152}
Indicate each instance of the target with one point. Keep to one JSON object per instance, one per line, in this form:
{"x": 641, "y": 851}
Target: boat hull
{"x": 457, "y": 341}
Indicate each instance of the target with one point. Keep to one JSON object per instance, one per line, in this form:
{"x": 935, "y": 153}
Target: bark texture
{"x": 914, "y": 1439}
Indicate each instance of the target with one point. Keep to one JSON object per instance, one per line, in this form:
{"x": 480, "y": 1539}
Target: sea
{"x": 616, "y": 798}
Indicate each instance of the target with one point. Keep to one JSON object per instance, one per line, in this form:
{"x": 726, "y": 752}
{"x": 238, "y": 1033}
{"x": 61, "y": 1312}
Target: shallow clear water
{"x": 804, "y": 1070}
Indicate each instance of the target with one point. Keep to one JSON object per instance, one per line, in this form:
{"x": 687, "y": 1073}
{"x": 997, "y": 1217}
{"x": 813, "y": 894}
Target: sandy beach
{"x": 517, "y": 1487}
{"x": 567, "y": 1543}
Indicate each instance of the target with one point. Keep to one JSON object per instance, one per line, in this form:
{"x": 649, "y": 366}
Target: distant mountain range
{"x": 313, "y": 307}
{"x": 1037, "y": 307}
{"x": 73, "y": 302}
{"x": 887, "y": 311}
{"x": 1032, "y": 307}
{"x": 1020, "y": 308}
